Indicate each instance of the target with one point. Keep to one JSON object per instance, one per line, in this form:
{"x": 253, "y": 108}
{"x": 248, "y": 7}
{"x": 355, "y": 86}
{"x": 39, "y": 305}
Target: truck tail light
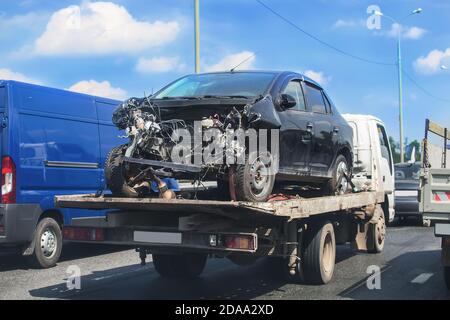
{"x": 83, "y": 234}
{"x": 8, "y": 180}
{"x": 240, "y": 242}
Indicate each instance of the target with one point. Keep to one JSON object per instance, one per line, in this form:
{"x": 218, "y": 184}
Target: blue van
{"x": 52, "y": 142}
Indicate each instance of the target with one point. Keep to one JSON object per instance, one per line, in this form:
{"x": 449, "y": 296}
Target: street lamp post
{"x": 400, "y": 76}
{"x": 197, "y": 35}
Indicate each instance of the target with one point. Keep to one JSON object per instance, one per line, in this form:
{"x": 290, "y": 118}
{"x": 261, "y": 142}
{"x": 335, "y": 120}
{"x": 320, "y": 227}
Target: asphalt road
{"x": 410, "y": 269}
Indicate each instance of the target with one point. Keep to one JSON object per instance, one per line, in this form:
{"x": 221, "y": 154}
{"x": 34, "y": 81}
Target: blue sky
{"x": 123, "y": 48}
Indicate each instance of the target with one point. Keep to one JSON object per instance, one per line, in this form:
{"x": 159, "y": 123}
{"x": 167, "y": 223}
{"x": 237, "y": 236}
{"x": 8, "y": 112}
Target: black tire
{"x": 447, "y": 276}
{"x": 182, "y": 266}
{"x": 252, "y": 184}
{"x": 47, "y": 244}
{"x": 376, "y": 234}
{"x": 319, "y": 255}
{"x": 114, "y": 174}
{"x": 338, "y": 184}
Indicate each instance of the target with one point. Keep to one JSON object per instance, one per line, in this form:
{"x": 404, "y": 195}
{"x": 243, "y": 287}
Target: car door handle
{"x": 309, "y": 126}
{"x": 335, "y": 129}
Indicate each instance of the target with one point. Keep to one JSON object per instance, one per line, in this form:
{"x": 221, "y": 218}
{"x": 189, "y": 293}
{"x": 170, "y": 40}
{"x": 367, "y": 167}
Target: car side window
{"x": 384, "y": 143}
{"x": 294, "y": 89}
{"x": 315, "y": 99}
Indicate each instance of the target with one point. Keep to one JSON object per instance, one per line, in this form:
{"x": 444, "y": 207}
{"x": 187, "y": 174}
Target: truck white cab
{"x": 373, "y": 158}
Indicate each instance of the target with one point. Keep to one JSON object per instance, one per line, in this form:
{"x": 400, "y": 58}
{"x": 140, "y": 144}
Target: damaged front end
{"x": 191, "y": 139}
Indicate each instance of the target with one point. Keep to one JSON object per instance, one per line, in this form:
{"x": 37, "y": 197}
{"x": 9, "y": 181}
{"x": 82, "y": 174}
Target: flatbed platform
{"x": 289, "y": 209}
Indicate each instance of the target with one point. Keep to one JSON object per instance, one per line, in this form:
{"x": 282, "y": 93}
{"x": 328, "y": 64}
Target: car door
{"x": 322, "y": 147}
{"x": 296, "y": 131}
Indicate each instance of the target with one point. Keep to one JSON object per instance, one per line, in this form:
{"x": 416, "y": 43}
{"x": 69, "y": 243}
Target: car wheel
{"x": 339, "y": 183}
{"x": 48, "y": 244}
{"x": 115, "y": 175}
{"x": 182, "y": 266}
{"x": 255, "y": 179}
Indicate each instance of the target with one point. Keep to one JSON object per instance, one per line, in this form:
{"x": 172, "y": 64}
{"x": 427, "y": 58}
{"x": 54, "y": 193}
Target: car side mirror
{"x": 286, "y": 101}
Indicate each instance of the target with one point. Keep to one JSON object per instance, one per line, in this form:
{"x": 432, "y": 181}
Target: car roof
{"x": 275, "y": 73}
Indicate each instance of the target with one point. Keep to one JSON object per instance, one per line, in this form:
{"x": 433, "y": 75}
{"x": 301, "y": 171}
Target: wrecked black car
{"x": 247, "y": 130}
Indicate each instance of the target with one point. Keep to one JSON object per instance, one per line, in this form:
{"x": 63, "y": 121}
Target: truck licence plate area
{"x": 244, "y": 242}
{"x": 442, "y": 229}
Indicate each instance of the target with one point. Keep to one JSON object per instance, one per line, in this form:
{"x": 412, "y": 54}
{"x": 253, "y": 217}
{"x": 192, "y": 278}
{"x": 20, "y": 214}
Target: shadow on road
{"x": 403, "y": 278}
{"x": 10, "y": 260}
{"x": 221, "y": 280}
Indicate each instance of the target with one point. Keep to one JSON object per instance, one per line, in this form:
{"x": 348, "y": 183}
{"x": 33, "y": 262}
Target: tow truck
{"x": 299, "y": 233}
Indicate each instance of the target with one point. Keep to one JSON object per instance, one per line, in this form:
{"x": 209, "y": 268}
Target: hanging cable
{"x": 321, "y": 41}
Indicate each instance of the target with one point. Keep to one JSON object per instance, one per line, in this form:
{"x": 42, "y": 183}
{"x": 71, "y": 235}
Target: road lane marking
{"x": 422, "y": 278}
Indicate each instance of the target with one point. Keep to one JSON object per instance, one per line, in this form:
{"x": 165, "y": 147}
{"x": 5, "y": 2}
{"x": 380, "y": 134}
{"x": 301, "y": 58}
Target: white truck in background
{"x": 434, "y": 195}
{"x": 371, "y": 149}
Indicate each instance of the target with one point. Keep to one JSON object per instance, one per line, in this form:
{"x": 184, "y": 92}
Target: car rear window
{"x": 407, "y": 172}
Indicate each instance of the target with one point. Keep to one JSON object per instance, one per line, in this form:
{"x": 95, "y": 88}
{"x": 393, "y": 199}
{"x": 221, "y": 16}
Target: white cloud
{"x": 344, "y": 23}
{"x": 159, "y": 64}
{"x": 318, "y": 76}
{"x": 412, "y": 33}
{"x": 101, "y": 28}
{"x": 433, "y": 61}
{"x": 7, "y": 74}
{"x": 232, "y": 60}
{"x": 102, "y": 89}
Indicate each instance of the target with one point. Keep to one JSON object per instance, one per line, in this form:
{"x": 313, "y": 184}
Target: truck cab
{"x": 372, "y": 152}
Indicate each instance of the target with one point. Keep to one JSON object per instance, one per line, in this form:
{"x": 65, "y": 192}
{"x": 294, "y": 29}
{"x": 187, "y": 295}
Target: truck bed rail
{"x": 290, "y": 209}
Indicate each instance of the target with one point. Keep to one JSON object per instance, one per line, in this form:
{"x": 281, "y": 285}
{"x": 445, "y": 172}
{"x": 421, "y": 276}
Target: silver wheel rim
{"x": 259, "y": 175}
{"x": 342, "y": 182}
{"x": 48, "y": 243}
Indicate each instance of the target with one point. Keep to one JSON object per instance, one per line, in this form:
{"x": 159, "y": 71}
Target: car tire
{"x": 376, "y": 233}
{"x": 447, "y": 276}
{"x": 338, "y": 184}
{"x": 47, "y": 244}
{"x": 254, "y": 179}
{"x": 319, "y": 254}
{"x": 114, "y": 175}
{"x": 180, "y": 266}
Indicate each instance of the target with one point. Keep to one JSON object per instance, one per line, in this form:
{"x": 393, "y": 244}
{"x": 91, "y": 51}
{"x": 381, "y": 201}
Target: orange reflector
{"x": 240, "y": 242}
{"x": 83, "y": 234}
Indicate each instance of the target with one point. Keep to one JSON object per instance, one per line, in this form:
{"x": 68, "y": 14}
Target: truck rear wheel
{"x": 48, "y": 244}
{"x": 184, "y": 266}
{"x": 447, "y": 276}
{"x": 115, "y": 175}
{"x": 376, "y": 233}
{"x": 319, "y": 254}
{"x": 254, "y": 179}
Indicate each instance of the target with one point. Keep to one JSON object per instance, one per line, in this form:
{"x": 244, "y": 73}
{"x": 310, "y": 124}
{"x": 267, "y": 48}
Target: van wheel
{"x": 319, "y": 255}
{"x": 447, "y": 277}
{"x": 255, "y": 179}
{"x": 115, "y": 175}
{"x": 339, "y": 183}
{"x": 182, "y": 266}
{"x": 48, "y": 244}
{"x": 376, "y": 233}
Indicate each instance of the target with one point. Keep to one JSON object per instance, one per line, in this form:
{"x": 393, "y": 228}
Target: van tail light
{"x": 8, "y": 180}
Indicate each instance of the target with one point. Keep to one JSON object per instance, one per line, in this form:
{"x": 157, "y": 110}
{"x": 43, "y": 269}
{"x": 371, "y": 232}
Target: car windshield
{"x": 407, "y": 172}
{"x": 225, "y": 85}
